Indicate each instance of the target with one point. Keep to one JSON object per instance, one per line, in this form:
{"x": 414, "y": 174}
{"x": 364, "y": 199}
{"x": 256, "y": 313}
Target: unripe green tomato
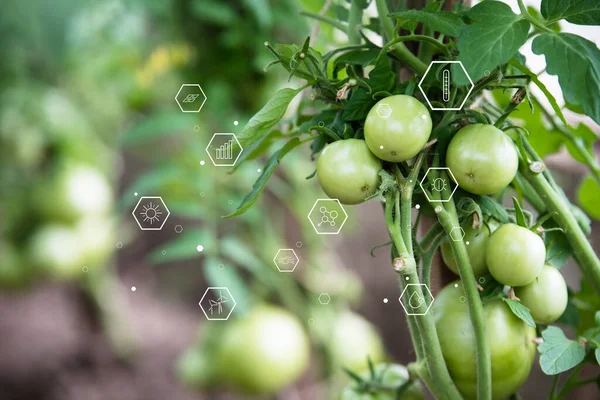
{"x": 56, "y": 250}
{"x": 546, "y": 297}
{"x": 348, "y": 171}
{"x": 511, "y": 343}
{"x": 391, "y": 376}
{"x": 264, "y": 351}
{"x": 482, "y": 158}
{"x": 476, "y": 248}
{"x": 353, "y": 341}
{"x": 515, "y": 256}
{"x": 397, "y": 128}
{"x": 195, "y": 370}
{"x": 97, "y": 238}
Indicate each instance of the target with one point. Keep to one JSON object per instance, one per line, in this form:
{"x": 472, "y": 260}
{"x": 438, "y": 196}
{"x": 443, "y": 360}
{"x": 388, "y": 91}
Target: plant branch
{"x": 328, "y": 20}
{"x": 354, "y": 21}
{"x": 534, "y": 21}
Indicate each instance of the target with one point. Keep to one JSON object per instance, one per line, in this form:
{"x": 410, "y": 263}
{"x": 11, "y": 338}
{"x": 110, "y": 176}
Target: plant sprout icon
{"x": 218, "y": 303}
{"x": 151, "y": 213}
{"x": 327, "y": 217}
{"x": 439, "y": 184}
{"x": 416, "y": 300}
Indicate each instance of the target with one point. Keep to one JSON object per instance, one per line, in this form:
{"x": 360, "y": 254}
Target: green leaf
{"x": 571, "y": 315}
{"x": 156, "y": 126}
{"x": 520, "y": 311}
{"x": 597, "y": 353}
{"x": 183, "y": 247}
{"x": 228, "y": 276}
{"x": 597, "y": 318}
{"x": 492, "y": 40}
{"x": 588, "y": 196}
{"x": 580, "y": 12}
{"x": 440, "y": 21}
{"x": 576, "y": 62}
{"x": 558, "y": 249}
{"x": 272, "y": 112}
{"x": 262, "y": 180}
{"x": 558, "y": 353}
{"x": 492, "y": 208}
{"x": 586, "y": 138}
{"x": 521, "y": 220}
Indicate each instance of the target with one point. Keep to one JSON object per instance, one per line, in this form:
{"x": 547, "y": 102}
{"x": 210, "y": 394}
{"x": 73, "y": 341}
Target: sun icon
{"x": 151, "y": 213}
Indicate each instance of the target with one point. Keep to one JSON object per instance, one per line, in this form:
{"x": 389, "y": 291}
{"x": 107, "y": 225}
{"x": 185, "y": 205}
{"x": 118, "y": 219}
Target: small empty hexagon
{"x": 327, "y": 216}
{"x": 457, "y": 233}
{"x": 190, "y": 97}
{"x": 286, "y": 260}
{"x": 151, "y": 213}
{"x": 324, "y": 298}
{"x": 445, "y": 74}
{"x": 217, "y": 303}
{"x": 413, "y": 299}
{"x": 434, "y": 184}
{"x": 384, "y": 110}
{"x": 224, "y": 149}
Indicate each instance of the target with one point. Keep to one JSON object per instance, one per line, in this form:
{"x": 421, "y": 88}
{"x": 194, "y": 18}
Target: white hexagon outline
{"x": 457, "y": 228}
{"x": 210, "y": 156}
{"x": 328, "y": 298}
{"x": 277, "y": 265}
{"x": 404, "y": 291}
{"x": 466, "y": 97}
{"x": 327, "y": 233}
{"x": 425, "y": 191}
{"x": 217, "y": 288}
{"x": 388, "y": 108}
{"x": 201, "y": 91}
{"x": 136, "y": 218}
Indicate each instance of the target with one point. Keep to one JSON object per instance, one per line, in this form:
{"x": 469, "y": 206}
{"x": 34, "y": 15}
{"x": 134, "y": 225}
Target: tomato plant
{"x": 464, "y": 146}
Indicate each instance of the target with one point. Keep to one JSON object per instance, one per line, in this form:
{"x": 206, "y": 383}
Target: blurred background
{"x": 91, "y": 306}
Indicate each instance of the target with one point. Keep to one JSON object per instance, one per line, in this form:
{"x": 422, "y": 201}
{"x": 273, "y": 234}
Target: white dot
{"x": 381, "y": 147}
{"x": 200, "y": 247}
{"x": 467, "y": 242}
{"x": 135, "y": 194}
{"x": 418, "y": 206}
{"x": 407, "y": 278}
{"x": 424, "y": 116}
{"x": 230, "y": 201}
{"x": 385, "y": 300}
{"x": 133, "y": 289}
{"x": 119, "y": 245}
{"x": 202, "y": 162}
{"x": 235, "y": 123}
{"x": 456, "y": 285}
{"x": 258, "y": 170}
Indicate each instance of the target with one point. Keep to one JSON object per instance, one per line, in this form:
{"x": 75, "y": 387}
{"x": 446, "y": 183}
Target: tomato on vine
{"x": 546, "y": 297}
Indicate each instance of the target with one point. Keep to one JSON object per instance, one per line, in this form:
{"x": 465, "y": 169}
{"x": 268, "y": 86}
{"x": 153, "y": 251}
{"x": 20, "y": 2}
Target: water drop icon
{"x": 415, "y": 300}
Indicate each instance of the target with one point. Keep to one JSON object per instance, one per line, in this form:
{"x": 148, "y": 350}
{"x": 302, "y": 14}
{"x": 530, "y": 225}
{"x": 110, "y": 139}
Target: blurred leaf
{"x": 356, "y": 57}
{"x": 262, "y": 12}
{"x": 227, "y": 276}
{"x": 580, "y": 12}
{"x": 188, "y": 208}
{"x": 440, "y": 21}
{"x": 492, "y": 208}
{"x": 588, "y": 196}
{"x": 521, "y": 311}
{"x": 184, "y": 246}
{"x": 586, "y": 137}
{"x": 576, "y": 62}
{"x": 262, "y": 180}
{"x": 571, "y": 315}
{"x": 161, "y": 124}
{"x": 558, "y": 249}
{"x": 557, "y": 353}
{"x": 493, "y": 39}
{"x": 258, "y": 148}
{"x": 214, "y": 11}
{"x": 150, "y": 182}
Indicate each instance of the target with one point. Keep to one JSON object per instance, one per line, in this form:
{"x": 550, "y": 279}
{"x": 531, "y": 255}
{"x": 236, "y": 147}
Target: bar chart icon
{"x": 224, "y": 149}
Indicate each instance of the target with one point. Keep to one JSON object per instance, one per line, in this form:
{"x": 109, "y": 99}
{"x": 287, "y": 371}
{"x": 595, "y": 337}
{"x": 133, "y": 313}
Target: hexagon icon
{"x": 286, "y": 260}
{"x": 190, "y": 98}
{"x": 151, "y": 213}
{"x": 412, "y": 298}
{"x": 384, "y": 110}
{"x": 224, "y": 149}
{"x": 217, "y": 303}
{"x": 444, "y": 73}
{"x": 327, "y": 216}
{"x": 457, "y": 233}
{"x": 324, "y": 298}
{"x": 438, "y": 184}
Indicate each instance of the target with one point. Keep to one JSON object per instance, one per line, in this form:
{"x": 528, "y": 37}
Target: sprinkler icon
{"x": 327, "y": 217}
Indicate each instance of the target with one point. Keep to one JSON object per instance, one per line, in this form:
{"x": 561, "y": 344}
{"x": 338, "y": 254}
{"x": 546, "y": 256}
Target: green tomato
{"x": 515, "y": 256}
{"x": 97, "y": 240}
{"x": 389, "y": 375}
{"x": 510, "y": 339}
{"x": 57, "y": 250}
{"x": 348, "y": 171}
{"x": 353, "y": 341}
{"x": 397, "y": 128}
{"x": 195, "y": 370}
{"x": 546, "y": 297}
{"x": 476, "y": 248}
{"x": 482, "y": 159}
{"x": 264, "y": 351}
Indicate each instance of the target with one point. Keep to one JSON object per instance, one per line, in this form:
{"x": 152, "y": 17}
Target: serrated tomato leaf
{"x": 580, "y": 12}
{"x": 576, "y": 62}
{"x": 558, "y": 353}
{"x": 492, "y": 39}
{"x": 521, "y": 311}
{"x": 440, "y": 21}
{"x": 588, "y": 196}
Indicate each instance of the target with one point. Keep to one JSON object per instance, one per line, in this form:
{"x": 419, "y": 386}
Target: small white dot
{"x": 381, "y": 147}
{"x": 456, "y": 285}
{"x": 258, "y": 170}
{"x": 135, "y": 194}
{"x": 202, "y": 162}
{"x": 385, "y": 300}
{"x": 133, "y": 289}
{"x": 418, "y": 206}
{"x": 467, "y": 242}
{"x": 200, "y": 247}
{"x": 235, "y": 123}
{"x": 407, "y": 278}
{"x": 424, "y": 116}
{"x": 119, "y": 245}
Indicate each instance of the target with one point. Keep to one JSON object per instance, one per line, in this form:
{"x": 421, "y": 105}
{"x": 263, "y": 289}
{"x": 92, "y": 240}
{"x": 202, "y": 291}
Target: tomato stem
{"x": 354, "y": 21}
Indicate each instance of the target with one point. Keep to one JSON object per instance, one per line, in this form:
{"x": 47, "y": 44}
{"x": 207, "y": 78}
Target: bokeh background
{"x": 91, "y": 307}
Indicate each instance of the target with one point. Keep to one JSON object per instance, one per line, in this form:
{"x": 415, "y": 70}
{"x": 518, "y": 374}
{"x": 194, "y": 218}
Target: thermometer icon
{"x": 446, "y": 85}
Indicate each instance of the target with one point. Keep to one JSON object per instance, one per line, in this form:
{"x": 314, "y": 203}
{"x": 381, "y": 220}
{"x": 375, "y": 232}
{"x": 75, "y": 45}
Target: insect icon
{"x": 439, "y": 184}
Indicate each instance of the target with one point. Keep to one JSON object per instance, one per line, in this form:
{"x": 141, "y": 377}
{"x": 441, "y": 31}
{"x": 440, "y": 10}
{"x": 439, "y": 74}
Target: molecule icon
{"x": 327, "y": 216}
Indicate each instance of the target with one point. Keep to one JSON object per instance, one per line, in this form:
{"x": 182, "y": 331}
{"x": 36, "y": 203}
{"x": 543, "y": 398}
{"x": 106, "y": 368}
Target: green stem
{"x": 391, "y": 44}
{"x": 534, "y": 21}
{"x": 570, "y": 382}
{"x": 331, "y": 21}
{"x": 354, "y": 21}
{"x": 399, "y": 50}
{"x": 425, "y": 49}
{"x": 449, "y": 219}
